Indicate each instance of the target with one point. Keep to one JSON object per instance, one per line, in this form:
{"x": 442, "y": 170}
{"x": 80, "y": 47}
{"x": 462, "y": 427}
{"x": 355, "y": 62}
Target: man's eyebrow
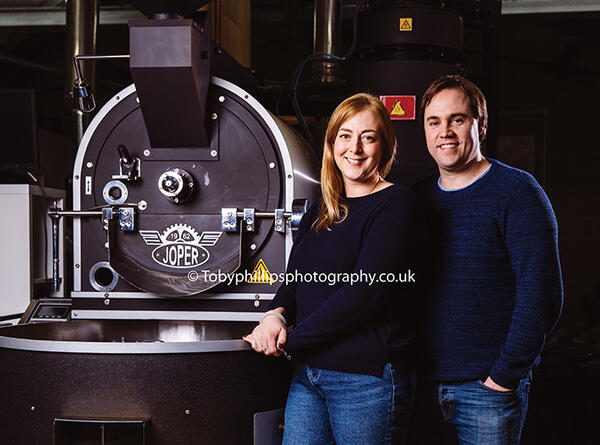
{"x": 451, "y": 116}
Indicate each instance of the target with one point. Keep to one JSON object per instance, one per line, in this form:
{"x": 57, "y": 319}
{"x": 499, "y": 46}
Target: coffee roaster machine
{"x": 186, "y": 194}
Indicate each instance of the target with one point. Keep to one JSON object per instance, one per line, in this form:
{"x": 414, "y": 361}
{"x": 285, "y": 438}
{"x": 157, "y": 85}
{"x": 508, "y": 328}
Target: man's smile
{"x": 448, "y": 145}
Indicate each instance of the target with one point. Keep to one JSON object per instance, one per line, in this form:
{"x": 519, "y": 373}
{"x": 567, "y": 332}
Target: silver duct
{"x": 327, "y": 27}
{"x": 82, "y": 25}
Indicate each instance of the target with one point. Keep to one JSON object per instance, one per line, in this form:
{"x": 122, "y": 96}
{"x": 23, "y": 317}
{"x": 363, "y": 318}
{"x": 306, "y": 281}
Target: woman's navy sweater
{"x": 356, "y": 327}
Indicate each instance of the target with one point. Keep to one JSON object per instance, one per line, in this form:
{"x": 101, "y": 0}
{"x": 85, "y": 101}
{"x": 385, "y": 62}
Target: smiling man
{"x": 495, "y": 289}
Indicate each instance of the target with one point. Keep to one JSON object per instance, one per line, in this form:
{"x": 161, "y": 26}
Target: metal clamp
{"x": 126, "y": 217}
{"x": 229, "y": 221}
{"x": 282, "y": 219}
{"x": 249, "y": 222}
{"x": 279, "y": 220}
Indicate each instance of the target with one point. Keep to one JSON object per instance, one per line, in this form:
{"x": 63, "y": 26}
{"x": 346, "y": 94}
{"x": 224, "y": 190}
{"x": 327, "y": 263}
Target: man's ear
{"x": 482, "y": 129}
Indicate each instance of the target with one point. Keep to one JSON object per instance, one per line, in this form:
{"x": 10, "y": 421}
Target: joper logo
{"x": 180, "y": 246}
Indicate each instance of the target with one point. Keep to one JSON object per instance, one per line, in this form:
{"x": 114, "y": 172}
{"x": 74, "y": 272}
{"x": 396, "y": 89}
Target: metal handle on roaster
{"x": 55, "y": 213}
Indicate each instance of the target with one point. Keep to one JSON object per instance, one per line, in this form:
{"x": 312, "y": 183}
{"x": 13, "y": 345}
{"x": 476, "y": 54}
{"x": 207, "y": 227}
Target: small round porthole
{"x": 115, "y": 193}
{"x": 103, "y": 277}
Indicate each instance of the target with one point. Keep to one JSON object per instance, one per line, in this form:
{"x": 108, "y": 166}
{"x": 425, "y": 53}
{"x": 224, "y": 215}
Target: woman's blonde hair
{"x": 333, "y": 208}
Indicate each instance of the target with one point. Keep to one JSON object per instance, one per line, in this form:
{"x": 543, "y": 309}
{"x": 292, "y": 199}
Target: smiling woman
{"x": 358, "y": 152}
{"x": 353, "y": 342}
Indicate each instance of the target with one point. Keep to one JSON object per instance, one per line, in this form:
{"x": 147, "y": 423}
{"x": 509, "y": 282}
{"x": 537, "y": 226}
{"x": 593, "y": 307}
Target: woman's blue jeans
{"x": 327, "y": 407}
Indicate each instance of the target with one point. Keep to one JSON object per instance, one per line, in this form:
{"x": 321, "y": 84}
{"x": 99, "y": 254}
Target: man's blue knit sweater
{"x": 496, "y": 286}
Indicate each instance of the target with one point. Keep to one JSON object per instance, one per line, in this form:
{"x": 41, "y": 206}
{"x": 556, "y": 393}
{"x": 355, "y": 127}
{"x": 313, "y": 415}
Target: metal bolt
{"x": 213, "y": 116}
{"x": 75, "y": 314}
{"x": 246, "y": 96}
{"x": 137, "y": 99}
{"x": 248, "y": 227}
{"x": 118, "y": 98}
{"x": 106, "y": 244}
{"x": 176, "y": 199}
{"x": 229, "y": 213}
{"x": 249, "y": 220}
{"x": 76, "y": 177}
{"x": 191, "y": 184}
{"x": 146, "y": 152}
{"x": 271, "y": 165}
{"x": 256, "y": 303}
{"x": 105, "y": 294}
{"x": 89, "y": 164}
{"x": 257, "y": 297}
{"x": 128, "y": 223}
{"x": 289, "y": 176}
{"x": 32, "y": 408}
{"x": 252, "y": 246}
{"x": 213, "y": 153}
{"x": 107, "y": 302}
{"x": 187, "y": 412}
{"x": 76, "y": 266}
{"x": 221, "y": 98}
{"x": 142, "y": 205}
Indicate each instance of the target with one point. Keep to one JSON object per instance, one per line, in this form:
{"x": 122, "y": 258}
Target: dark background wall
{"x": 550, "y": 86}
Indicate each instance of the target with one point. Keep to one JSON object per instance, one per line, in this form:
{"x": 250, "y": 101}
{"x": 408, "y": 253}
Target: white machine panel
{"x": 26, "y": 259}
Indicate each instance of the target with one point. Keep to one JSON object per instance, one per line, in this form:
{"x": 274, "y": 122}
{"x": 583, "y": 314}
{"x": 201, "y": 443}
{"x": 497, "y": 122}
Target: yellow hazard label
{"x": 406, "y": 24}
{"x": 398, "y": 110}
{"x": 261, "y": 274}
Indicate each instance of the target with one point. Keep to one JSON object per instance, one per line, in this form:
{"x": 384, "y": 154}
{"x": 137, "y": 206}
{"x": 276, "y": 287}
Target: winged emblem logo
{"x": 180, "y": 245}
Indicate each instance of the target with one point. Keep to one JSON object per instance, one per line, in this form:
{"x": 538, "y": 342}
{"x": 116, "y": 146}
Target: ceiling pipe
{"x": 82, "y": 25}
{"x": 326, "y": 38}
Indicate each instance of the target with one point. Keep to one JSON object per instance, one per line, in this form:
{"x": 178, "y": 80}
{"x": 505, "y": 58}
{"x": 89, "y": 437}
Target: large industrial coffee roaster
{"x": 186, "y": 195}
{"x": 180, "y": 180}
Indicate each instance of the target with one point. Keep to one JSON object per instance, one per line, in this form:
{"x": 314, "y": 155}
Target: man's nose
{"x": 445, "y": 130}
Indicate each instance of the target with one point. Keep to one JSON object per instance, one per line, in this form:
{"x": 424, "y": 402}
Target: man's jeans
{"x": 469, "y": 413}
{"x": 326, "y": 407}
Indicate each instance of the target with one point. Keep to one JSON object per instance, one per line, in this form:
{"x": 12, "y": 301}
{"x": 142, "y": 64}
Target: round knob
{"x": 176, "y": 185}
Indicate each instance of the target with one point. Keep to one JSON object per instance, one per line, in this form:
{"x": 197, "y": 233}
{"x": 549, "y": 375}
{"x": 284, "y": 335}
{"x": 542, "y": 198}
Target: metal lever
{"x": 129, "y": 167}
{"x": 126, "y": 223}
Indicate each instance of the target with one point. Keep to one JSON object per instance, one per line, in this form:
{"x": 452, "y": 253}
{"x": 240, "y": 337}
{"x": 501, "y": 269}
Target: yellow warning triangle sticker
{"x": 261, "y": 274}
{"x": 398, "y": 110}
{"x": 406, "y": 24}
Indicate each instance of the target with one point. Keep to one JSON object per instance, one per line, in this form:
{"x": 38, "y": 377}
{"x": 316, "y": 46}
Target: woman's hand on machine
{"x": 269, "y": 336}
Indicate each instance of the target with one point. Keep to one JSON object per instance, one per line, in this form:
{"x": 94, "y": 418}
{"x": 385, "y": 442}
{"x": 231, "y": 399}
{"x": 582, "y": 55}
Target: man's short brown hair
{"x": 474, "y": 95}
